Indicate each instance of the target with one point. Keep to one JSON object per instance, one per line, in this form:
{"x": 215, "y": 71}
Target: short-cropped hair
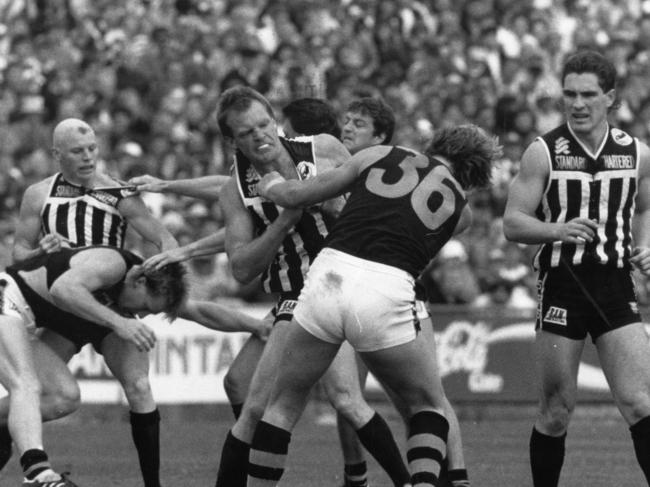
{"x": 238, "y": 98}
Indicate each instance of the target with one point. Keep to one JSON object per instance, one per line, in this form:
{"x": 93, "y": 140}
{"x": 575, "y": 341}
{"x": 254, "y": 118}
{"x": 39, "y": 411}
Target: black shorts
{"x": 80, "y": 332}
{"x": 283, "y": 309}
{"x": 585, "y": 300}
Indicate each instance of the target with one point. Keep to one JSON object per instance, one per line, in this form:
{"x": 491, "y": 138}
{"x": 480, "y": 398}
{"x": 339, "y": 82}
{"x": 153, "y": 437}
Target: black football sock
{"x": 5, "y": 445}
{"x": 641, "y": 438}
{"x": 34, "y": 462}
{"x": 546, "y": 458}
{"x": 268, "y": 455}
{"x": 233, "y": 463}
{"x": 356, "y": 474}
{"x": 377, "y": 438}
{"x": 145, "y": 429}
{"x": 427, "y": 447}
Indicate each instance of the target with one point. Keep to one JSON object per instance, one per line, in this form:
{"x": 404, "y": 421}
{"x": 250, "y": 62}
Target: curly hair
{"x": 470, "y": 151}
{"x": 169, "y": 282}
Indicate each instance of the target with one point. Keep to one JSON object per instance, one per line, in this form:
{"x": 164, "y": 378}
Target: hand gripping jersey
{"x": 300, "y": 246}
{"x": 85, "y": 216}
{"x": 399, "y": 212}
{"x": 600, "y": 186}
{"x": 48, "y": 315}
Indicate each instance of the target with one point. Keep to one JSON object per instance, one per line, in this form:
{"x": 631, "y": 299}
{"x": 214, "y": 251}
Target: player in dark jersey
{"x": 92, "y": 285}
{"x": 576, "y": 194}
{"x": 368, "y": 122}
{"x": 403, "y": 206}
{"x": 280, "y": 245}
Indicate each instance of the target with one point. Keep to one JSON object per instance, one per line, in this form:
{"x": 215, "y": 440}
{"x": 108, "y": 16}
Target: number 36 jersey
{"x": 402, "y": 209}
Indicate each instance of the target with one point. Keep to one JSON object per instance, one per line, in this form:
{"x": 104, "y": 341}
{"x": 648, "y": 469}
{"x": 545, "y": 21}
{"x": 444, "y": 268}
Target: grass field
{"x": 95, "y": 445}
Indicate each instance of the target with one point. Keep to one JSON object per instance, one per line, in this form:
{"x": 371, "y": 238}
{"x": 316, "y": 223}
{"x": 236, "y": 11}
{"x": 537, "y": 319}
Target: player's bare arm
{"x": 138, "y": 216}
{"x": 204, "y": 187}
{"x": 641, "y": 223}
{"x": 217, "y": 317}
{"x": 28, "y": 240}
{"x": 90, "y": 271}
{"x": 249, "y": 256}
{"x": 520, "y": 224}
{"x": 212, "y": 244}
{"x": 327, "y": 184}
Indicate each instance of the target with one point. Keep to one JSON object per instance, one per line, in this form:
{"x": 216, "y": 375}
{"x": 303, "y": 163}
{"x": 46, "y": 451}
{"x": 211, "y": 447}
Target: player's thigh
{"x": 52, "y": 371}
{"x": 342, "y": 376}
{"x": 410, "y": 371}
{"x": 625, "y": 359}
{"x": 265, "y": 372}
{"x": 304, "y": 360}
{"x": 123, "y": 359}
{"x": 558, "y": 360}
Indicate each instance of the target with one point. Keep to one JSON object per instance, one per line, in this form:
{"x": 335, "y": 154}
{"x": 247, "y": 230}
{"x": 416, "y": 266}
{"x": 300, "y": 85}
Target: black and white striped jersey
{"x": 85, "y": 216}
{"x": 287, "y": 271}
{"x": 600, "y": 186}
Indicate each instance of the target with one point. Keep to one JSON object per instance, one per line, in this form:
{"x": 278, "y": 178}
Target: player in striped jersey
{"x": 386, "y": 236}
{"x": 279, "y": 245}
{"x": 77, "y": 207}
{"x": 81, "y": 206}
{"x": 583, "y": 194}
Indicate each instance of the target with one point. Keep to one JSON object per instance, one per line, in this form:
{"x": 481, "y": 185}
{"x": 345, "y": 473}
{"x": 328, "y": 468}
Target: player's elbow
{"x": 511, "y": 228}
{"x": 241, "y": 272}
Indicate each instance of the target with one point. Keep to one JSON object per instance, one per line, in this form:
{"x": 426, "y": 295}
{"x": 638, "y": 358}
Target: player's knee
{"x": 232, "y": 385}
{"x": 137, "y": 388}
{"x": 65, "y": 400}
{"x": 634, "y": 406}
{"x": 347, "y": 404}
{"x": 556, "y": 416}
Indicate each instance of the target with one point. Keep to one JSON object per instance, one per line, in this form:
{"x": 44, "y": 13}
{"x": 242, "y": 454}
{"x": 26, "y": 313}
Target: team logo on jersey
{"x": 621, "y": 138}
{"x": 287, "y": 306}
{"x": 306, "y": 169}
{"x": 562, "y": 146}
{"x": 251, "y": 180}
{"x": 556, "y": 316}
{"x": 67, "y": 192}
{"x": 104, "y": 197}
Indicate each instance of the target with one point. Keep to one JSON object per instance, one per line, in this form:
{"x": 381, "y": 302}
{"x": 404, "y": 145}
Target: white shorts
{"x": 12, "y": 302}
{"x": 371, "y": 305}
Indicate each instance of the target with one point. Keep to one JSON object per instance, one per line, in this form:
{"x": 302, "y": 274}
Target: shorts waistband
{"x": 367, "y": 264}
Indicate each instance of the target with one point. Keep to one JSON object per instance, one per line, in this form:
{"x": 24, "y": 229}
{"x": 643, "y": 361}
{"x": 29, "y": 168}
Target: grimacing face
{"x": 585, "y": 103}
{"x": 358, "y": 132}
{"x": 255, "y": 133}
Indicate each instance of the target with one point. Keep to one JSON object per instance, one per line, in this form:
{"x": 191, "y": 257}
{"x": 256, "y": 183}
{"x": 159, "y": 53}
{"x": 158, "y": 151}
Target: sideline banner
{"x": 484, "y": 355}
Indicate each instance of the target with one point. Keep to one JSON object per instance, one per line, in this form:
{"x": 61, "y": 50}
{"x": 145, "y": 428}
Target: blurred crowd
{"x": 146, "y": 74}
